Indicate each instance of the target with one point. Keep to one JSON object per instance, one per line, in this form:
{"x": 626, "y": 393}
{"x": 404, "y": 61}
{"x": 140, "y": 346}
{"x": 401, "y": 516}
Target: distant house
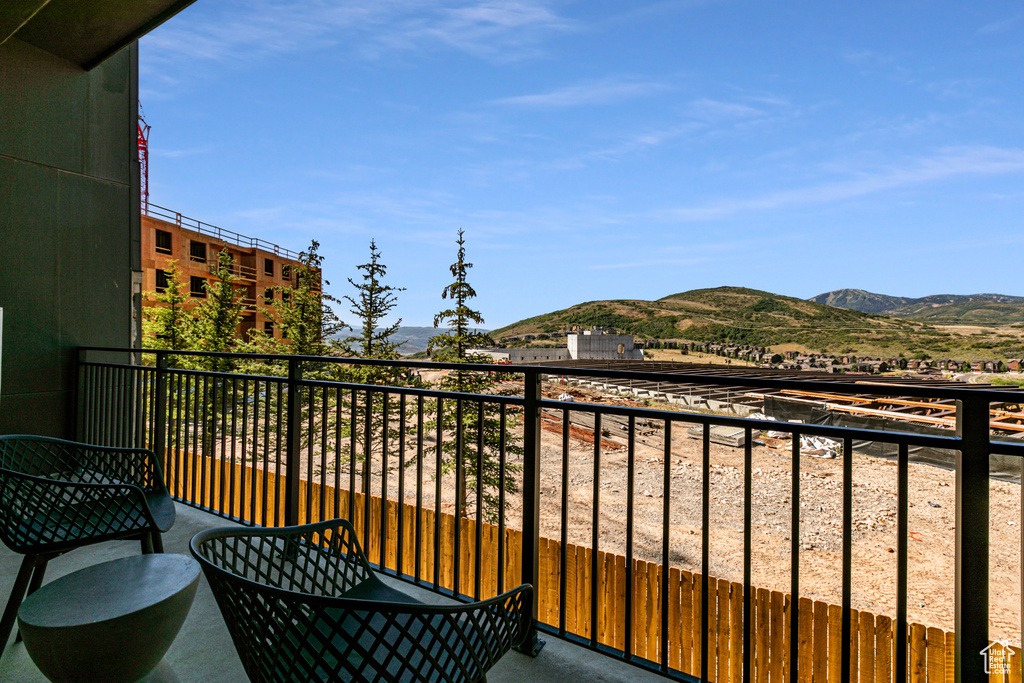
{"x": 1015, "y": 364}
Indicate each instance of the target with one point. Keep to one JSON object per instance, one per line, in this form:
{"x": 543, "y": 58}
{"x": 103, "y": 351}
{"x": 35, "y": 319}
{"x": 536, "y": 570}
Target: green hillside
{"x": 949, "y": 309}
{"x": 749, "y": 316}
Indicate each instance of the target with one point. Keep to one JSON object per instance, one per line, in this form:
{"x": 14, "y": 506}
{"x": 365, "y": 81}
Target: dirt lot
{"x": 932, "y": 514}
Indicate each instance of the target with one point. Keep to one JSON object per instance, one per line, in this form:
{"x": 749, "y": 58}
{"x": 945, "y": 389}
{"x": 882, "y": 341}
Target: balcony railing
{"x": 283, "y": 440}
{"x": 229, "y": 236}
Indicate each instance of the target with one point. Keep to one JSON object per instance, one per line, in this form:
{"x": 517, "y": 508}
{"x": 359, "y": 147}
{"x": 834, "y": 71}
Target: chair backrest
{"x": 325, "y": 562}
{"x": 37, "y": 456}
{"x": 289, "y": 619}
{"x": 57, "y": 494}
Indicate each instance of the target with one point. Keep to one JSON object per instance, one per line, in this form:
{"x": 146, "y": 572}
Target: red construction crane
{"x": 144, "y": 160}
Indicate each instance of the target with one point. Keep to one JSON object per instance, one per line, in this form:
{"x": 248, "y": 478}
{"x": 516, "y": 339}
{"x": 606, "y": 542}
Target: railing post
{"x": 160, "y": 412}
{"x": 972, "y": 538}
{"x": 531, "y": 503}
{"x": 79, "y": 419}
{"x": 293, "y": 444}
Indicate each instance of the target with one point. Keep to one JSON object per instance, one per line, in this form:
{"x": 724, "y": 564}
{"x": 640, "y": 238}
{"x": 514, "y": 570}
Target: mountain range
{"x": 748, "y": 316}
{"x": 965, "y": 309}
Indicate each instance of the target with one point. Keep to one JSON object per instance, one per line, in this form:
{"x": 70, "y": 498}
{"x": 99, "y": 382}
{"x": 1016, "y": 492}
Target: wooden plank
{"x": 950, "y": 661}
{"x": 427, "y": 549}
{"x": 654, "y": 652}
{"x": 935, "y": 655}
{"x": 712, "y": 627}
{"x": 543, "y": 588}
{"x": 467, "y": 558}
{"x": 721, "y": 642}
{"x": 722, "y": 623}
{"x": 854, "y": 645}
{"x": 675, "y": 619}
{"x": 996, "y": 675}
{"x": 572, "y": 595}
{"x": 762, "y": 635}
{"x": 916, "y": 659}
{"x": 698, "y": 616}
{"x": 819, "y": 642}
{"x": 835, "y": 643}
{"x": 1015, "y": 665}
{"x": 640, "y": 608}
{"x": 393, "y": 540}
{"x": 777, "y": 656}
{"x": 494, "y": 540}
{"x": 687, "y": 620}
{"x": 805, "y": 644}
{"x": 447, "y": 551}
{"x": 884, "y": 651}
{"x": 787, "y": 635}
{"x": 605, "y": 598}
{"x": 866, "y": 651}
{"x": 583, "y": 615}
{"x": 620, "y": 602}
{"x": 736, "y": 630}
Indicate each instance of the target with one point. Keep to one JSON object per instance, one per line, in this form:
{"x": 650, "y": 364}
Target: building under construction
{"x": 260, "y": 266}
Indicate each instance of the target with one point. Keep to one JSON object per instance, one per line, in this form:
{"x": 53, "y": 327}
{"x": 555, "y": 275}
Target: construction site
{"x": 931, "y": 489}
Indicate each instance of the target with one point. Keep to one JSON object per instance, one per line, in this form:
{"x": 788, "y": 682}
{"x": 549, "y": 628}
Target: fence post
{"x": 531, "y": 503}
{"x": 160, "y": 410}
{"x": 80, "y": 416}
{"x": 972, "y": 537}
{"x": 293, "y": 444}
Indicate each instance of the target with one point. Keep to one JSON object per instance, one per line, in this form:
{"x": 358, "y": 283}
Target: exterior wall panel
{"x": 67, "y": 141}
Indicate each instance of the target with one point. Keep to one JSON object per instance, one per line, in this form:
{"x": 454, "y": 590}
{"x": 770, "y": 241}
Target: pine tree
{"x": 371, "y": 304}
{"x": 453, "y": 344}
{"x": 303, "y": 311}
{"x": 217, "y": 316}
{"x": 477, "y": 427}
{"x": 168, "y": 325}
{"x": 216, "y": 319}
{"x": 375, "y": 301}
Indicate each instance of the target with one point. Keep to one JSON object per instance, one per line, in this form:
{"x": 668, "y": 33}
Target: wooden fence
{"x": 239, "y": 491}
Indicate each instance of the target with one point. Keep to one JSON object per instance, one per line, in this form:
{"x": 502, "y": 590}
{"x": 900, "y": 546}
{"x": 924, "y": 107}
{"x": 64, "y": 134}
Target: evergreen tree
{"x": 168, "y": 326}
{"x": 371, "y": 304}
{"x": 218, "y": 315}
{"x": 453, "y": 344}
{"x": 303, "y": 311}
{"x": 216, "y": 319}
{"x": 477, "y": 427}
{"x": 375, "y": 300}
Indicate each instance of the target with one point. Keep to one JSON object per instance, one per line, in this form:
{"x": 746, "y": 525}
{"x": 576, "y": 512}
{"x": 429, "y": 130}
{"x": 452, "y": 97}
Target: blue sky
{"x": 594, "y": 149}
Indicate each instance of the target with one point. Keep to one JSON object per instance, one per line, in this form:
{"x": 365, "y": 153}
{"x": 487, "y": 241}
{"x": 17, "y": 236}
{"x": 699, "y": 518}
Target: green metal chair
{"x": 58, "y": 495}
{"x": 303, "y": 604}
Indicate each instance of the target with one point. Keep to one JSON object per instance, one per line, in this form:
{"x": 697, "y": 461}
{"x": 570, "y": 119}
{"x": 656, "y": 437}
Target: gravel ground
{"x": 931, "y": 523}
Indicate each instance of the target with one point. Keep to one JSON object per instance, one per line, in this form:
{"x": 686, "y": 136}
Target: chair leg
{"x": 14, "y": 602}
{"x": 147, "y": 543}
{"x": 158, "y": 542}
{"x": 33, "y": 586}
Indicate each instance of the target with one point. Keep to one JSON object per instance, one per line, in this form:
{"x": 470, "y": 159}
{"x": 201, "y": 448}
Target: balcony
{"x": 203, "y": 651}
{"x": 655, "y": 551}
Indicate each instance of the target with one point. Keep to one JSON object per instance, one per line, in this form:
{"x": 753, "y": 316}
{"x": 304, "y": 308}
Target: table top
{"x": 109, "y": 590}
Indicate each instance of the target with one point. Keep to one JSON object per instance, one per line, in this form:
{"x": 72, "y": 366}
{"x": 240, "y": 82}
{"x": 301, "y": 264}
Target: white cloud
{"x": 1001, "y": 26}
{"x": 950, "y": 163}
{"x": 236, "y": 30}
{"x": 715, "y": 110}
{"x": 599, "y": 92}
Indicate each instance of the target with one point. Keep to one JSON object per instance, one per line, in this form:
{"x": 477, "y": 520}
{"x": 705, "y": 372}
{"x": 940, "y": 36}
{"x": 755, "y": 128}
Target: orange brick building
{"x": 195, "y": 245}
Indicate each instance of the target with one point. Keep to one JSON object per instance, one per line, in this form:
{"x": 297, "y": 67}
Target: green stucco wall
{"x": 68, "y": 225}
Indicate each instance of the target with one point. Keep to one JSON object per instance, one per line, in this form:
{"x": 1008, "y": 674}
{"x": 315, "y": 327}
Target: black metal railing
{"x": 283, "y": 440}
{"x": 229, "y": 236}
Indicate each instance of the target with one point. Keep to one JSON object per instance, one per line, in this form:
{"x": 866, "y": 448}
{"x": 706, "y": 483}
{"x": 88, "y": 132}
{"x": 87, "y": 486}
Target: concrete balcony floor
{"x": 203, "y": 652}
